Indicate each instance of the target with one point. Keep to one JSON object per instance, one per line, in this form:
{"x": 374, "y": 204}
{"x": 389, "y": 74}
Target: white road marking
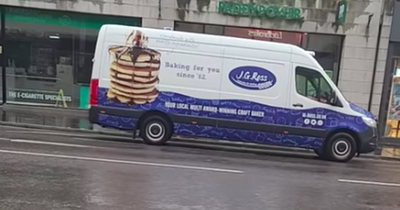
{"x": 122, "y": 161}
{"x": 58, "y": 134}
{"x": 369, "y": 183}
{"x": 16, "y": 129}
{"x": 5, "y": 139}
{"x": 50, "y": 143}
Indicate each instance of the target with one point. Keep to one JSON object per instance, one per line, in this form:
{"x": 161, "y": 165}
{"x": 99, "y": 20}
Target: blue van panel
{"x": 124, "y": 123}
{"x": 271, "y": 115}
{"x": 248, "y": 136}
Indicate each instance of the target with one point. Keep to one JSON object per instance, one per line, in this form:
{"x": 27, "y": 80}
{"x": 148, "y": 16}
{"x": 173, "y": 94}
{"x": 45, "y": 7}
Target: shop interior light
{"x": 54, "y": 37}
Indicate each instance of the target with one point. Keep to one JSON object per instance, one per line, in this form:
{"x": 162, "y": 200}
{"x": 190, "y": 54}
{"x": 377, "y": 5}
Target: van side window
{"x": 312, "y": 84}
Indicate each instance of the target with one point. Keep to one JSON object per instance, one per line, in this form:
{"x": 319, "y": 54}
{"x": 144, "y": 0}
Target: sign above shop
{"x": 259, "y": 10}
{"x": 66, "y": 19}
{"x": 265, "y": 35}
{"x": 341, "y": 12}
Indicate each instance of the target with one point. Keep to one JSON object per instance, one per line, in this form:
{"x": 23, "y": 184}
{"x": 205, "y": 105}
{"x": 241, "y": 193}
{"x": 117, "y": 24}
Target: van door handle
{"x": 298, "y": 105}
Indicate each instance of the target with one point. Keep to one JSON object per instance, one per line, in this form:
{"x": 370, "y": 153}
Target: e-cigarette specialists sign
{"x": 53, "y": 98}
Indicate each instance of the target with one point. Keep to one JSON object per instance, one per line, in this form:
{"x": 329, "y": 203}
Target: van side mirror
{"x": 333, "y": 99}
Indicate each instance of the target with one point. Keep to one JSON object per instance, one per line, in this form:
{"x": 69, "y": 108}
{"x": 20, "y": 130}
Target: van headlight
{"x": 370, "y": 122}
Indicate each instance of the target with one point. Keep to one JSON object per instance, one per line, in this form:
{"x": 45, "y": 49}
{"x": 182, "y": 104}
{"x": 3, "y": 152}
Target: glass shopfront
{"x": 392, "y": 129}
{"x": 327, "y": 48}
{"x": 389, "y": 113}
{"x": 48, "y": 55}
{"x": 2, "y": 79}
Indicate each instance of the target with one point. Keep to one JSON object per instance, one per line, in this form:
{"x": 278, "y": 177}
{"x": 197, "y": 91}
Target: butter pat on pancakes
{"x": 134, "y": 56}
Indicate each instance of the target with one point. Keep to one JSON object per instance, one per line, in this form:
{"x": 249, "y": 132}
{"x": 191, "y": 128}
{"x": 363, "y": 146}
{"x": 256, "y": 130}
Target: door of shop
{"x": 2, "y": 59}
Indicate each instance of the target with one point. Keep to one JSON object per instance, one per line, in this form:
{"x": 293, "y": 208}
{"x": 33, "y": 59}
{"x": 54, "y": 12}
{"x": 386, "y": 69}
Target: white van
{"x": 166, "y": 83}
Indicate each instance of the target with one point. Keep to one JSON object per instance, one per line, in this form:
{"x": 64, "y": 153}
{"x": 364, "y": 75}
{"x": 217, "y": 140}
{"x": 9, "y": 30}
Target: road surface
{"x": 53, "y": 170}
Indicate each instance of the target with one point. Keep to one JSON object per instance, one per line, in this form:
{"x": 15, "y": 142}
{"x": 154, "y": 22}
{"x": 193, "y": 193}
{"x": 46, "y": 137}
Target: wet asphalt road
{"x": 52, "y": 170}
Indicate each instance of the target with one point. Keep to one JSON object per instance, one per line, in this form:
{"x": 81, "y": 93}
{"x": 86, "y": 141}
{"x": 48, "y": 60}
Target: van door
{"x": 312, "y": 94}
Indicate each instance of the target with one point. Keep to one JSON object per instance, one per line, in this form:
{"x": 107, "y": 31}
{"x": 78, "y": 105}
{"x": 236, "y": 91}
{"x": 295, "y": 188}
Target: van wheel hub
{"x": 155, "y": 131}
{"x": 341, "y": 148}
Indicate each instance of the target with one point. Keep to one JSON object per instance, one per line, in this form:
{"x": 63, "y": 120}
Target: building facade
{"x": 390, "y": 103}
{"x": 48, "y": 45}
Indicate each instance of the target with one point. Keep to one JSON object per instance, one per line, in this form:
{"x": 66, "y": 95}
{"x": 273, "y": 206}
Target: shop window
{"x": 212, "y": 29}
{"x": 1, "y": 63}
{"x": 189, "y": 27}
{"x": 49, "y": 55}
{"x": 393, "y": 117}
{"x": 327, "y": 50}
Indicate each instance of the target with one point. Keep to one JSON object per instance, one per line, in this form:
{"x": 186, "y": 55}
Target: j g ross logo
{"x": 252, "y": 78}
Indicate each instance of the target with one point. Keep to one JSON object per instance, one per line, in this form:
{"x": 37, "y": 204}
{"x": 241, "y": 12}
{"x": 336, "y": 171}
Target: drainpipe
{"x": 371, "y": 92}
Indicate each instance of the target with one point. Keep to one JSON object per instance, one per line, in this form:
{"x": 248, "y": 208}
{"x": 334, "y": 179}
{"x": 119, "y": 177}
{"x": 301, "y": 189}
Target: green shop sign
{"x": 66, "y": 19}
{"x": 259, "y": 10}
{"x": 341, "y": 12}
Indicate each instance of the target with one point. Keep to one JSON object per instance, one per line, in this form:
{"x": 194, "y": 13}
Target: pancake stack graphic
{"x": 134, "y": 71}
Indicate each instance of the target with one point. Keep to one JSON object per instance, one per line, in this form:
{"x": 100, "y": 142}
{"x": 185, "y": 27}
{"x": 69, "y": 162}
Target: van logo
{"x": 252, "y": 78}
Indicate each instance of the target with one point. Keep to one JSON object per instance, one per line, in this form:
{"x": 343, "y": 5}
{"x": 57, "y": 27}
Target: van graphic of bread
{"x": 134, "y": 71}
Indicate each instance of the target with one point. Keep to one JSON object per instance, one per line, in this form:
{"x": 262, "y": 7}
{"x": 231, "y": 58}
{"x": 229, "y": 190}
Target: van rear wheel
{"x": 341, "y": 147}
{"x": 155, "y": 130}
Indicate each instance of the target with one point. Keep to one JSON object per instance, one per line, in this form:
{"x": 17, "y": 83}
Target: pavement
{"x": 44, "y": 169}
{"x": 76, "y": 120}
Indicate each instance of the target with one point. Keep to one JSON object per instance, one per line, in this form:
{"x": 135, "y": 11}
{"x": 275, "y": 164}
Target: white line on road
{"x": 50, "y": 143}
{"x": 122, "y": 161}
{"x": 369, "y": 183}
{"x": 27, "y": 141}
{"x": 65, "y": 134}
{"x": 16, "y": 128}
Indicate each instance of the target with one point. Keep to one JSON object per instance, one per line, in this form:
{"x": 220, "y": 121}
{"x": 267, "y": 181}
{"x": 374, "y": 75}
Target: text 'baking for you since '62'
{"x": 220, "y": 110}
{"x": 192, "y": 71}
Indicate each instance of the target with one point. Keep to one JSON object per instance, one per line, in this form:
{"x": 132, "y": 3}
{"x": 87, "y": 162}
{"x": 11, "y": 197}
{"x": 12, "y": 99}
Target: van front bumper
{"x": 368, "y": 140}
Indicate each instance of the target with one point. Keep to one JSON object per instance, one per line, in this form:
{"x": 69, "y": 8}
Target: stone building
{"x": 49, "y": 44}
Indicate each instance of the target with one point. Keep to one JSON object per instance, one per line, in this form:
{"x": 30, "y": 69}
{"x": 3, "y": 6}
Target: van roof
{"x": 239, "y": 42}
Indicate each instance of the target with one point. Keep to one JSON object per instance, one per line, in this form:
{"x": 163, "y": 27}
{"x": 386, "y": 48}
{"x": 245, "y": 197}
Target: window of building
{"x": 1, "y": 64}
{"x": 393, "y": 117}
{"x": 327, "y": 50}
{"x": 189, "y": 27}
{"x": 312, "y": 84}
{"x": 49, "y": 55}
{"x": 213, "y": 29}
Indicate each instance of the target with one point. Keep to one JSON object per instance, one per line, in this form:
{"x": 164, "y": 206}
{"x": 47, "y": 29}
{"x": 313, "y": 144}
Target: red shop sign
{"x": 265, "y": 35}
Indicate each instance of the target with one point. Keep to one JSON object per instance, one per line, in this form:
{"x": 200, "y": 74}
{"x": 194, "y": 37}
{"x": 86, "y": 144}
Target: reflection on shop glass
{"x": 265, "y": 35}
{"x": 57, "y": 99}
{"x": 393, "y": 115}
{"x": 1, "y": 77}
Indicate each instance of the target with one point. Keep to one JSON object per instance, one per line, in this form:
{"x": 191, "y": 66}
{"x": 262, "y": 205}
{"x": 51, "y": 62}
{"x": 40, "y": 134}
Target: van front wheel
{"x": 341, "y": 147}
{"x": 155, "y": 130}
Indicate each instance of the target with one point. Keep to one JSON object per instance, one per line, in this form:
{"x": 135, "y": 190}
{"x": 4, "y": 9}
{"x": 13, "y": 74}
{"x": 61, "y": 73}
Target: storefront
{"x": 390, "y": 102}
{"x": 48, "y": 55}
{"x": 327, "y": 48}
